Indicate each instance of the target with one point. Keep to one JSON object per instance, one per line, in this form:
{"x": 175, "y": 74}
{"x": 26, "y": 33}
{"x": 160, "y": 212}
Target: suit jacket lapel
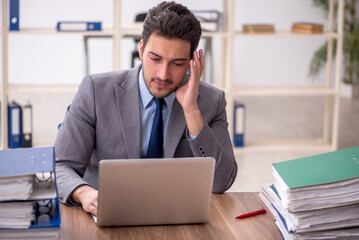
{"x": 176, "y": 126}
{"x": 128, "y": 100}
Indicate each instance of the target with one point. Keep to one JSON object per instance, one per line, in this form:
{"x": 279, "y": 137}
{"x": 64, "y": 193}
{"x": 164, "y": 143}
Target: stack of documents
{"x": 211, "y": 20}
{"x": 16, "y": 188}
{"x": 16, "y": 214}
{"x": 316, "y": 197}
{"x": 29, "y": 207}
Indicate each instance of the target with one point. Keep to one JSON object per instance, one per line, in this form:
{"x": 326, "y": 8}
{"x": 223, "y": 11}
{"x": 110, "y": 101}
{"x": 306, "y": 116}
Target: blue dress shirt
{"x": 148, "y": 110}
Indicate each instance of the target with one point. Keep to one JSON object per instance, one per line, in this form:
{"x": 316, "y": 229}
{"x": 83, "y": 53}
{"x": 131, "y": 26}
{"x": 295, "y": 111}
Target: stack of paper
{"x": 211, "y": 20}
{"x": 16, "y": 188}
{"x": 316, "y": 197}
{"x": 16, "y": 214}
{"x": 29, "y": 207}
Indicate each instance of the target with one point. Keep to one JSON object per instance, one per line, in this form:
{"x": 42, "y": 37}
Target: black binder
{"x": 26, "y": 136}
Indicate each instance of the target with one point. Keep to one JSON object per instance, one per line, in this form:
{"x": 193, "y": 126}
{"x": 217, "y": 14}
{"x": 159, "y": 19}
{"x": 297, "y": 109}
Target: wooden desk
{"x": 76, "y": 224}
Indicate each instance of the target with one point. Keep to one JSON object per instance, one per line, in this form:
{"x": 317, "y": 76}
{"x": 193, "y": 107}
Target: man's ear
{"x": 140, "y": 49}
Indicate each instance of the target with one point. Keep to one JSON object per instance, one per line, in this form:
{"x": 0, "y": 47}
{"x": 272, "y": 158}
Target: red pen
{"x": 251, "y": 214}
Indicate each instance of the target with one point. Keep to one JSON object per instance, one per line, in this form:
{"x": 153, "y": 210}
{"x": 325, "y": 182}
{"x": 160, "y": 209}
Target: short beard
{"x": 148, "y": 85}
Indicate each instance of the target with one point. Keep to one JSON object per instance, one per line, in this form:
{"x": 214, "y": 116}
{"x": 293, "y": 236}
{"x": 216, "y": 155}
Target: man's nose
{"x": 163, "y": 72}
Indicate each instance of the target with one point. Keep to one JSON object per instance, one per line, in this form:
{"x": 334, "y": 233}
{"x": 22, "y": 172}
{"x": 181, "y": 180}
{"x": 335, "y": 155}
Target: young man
{"x": 111, "y": 115}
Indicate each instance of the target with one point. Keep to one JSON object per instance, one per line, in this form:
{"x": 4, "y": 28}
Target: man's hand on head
{"x": 187, "y": 95}
{"x": 87, "y": 197}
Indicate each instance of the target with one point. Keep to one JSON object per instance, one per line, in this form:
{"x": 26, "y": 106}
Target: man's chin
{"x": 161, "y": 93}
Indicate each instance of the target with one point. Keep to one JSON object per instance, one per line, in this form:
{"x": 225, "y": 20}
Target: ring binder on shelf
{"x": 26, "y": 140}
{"x": 78, "y": 26}
{"x": 14, "y": 15}
{"x": 239, "y": 124}
{"x": 14, "y": 125}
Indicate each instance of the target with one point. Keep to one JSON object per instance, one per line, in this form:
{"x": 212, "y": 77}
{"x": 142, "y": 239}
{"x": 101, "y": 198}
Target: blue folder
{"x": 31, "y": 161}
{"x": 14, "y": 15}
{"x": 78, "y": 26}
{"x": 14, "y": 125}
{"x": 24, "y": 161}
{"x": 239, "y": 125}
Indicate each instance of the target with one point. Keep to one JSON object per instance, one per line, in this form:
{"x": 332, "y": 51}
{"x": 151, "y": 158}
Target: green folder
{"x": 320, "y": 169}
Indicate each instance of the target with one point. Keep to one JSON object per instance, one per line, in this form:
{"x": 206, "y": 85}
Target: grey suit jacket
{"x": 103, "y": 122}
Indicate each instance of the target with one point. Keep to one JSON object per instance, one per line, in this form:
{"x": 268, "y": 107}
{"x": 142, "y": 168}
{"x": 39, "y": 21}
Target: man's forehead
{"x": 169, "y": 48}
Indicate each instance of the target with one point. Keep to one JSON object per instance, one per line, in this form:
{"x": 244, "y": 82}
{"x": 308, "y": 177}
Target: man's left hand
{"x": 187, "y": 95}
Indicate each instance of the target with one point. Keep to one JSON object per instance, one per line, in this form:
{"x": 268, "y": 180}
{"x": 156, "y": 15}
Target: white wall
{"x": 57, "y": 59}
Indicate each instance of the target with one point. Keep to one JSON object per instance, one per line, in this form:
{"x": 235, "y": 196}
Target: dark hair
{"x": 172, "y": 20}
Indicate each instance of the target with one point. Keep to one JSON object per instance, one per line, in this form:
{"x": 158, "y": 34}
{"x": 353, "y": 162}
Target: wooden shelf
{"x": 135, "y": 30}
{"x": 285, "y": 145}
{"x": 42, "y": 88}
{"x": 286, "y": 34}
{"x": 284, "y": 91}
{"x": 53, "y": 31}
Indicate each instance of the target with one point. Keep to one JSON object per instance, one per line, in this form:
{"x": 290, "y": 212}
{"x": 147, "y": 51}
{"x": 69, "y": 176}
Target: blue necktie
{"x": 155, "y": 145}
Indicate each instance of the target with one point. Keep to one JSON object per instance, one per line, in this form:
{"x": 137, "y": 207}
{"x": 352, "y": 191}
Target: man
{"x": 111, "y": 115}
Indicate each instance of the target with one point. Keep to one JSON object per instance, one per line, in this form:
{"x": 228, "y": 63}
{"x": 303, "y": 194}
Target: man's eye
{"x": 178, "y": 64}
{"x": 155, "y": 59}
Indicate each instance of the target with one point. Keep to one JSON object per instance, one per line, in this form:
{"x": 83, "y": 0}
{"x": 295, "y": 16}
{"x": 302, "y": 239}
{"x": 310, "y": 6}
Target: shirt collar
{"x": 146, "y": 96}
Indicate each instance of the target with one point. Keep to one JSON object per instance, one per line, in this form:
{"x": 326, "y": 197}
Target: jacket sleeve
{"x": 75, "y": 140}
{"x": 214, "y": 141}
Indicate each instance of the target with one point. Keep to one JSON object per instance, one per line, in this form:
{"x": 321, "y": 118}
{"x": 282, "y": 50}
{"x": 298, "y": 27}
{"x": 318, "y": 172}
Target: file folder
{"x": 44, "y": 220}
{"x": 14, "y": 125}
{"x": 78, "y": 26}
{"x": 14, "y": 15}
{"x": 239, "y": 125}
{"x": 26, "y": 140}
{"x": 27, "y": 161}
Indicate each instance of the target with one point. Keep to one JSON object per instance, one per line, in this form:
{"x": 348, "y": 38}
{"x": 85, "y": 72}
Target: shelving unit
{"x": 327, "y": 90}
{"x": 228, "y": 35}
{"x": 6, "y": 88}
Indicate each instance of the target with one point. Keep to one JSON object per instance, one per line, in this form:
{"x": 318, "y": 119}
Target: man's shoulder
{"x": 207, "y": 88}
{"x": 113, "y": 77}
{"x": 109, "y": 74}
{"x": 109, "y": 77}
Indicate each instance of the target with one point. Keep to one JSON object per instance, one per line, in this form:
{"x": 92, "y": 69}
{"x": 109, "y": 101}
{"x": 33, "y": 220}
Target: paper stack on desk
{"x": 16, "y": 214}
{"x": 316, "y": 197}
{"x": 29, "y": 207}
{"x": 16, "y": 188}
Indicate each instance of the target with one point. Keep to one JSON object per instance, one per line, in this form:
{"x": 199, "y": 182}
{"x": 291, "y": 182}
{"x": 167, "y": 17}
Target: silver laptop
{"x": 154, "y": 191}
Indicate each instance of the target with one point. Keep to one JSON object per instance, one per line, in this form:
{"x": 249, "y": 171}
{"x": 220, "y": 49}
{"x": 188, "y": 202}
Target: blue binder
{"x": 14, "y": 15}
{"x": 78, "y": 26}
{"x": 34, "y": 161}
{"x": 14, "y": 125}
{"x": 239, "y": 124}
{"x": 24, "y": 161}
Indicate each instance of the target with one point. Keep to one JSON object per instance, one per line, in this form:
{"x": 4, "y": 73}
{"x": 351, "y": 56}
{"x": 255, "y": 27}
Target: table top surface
{"x": 77, "y": 224}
